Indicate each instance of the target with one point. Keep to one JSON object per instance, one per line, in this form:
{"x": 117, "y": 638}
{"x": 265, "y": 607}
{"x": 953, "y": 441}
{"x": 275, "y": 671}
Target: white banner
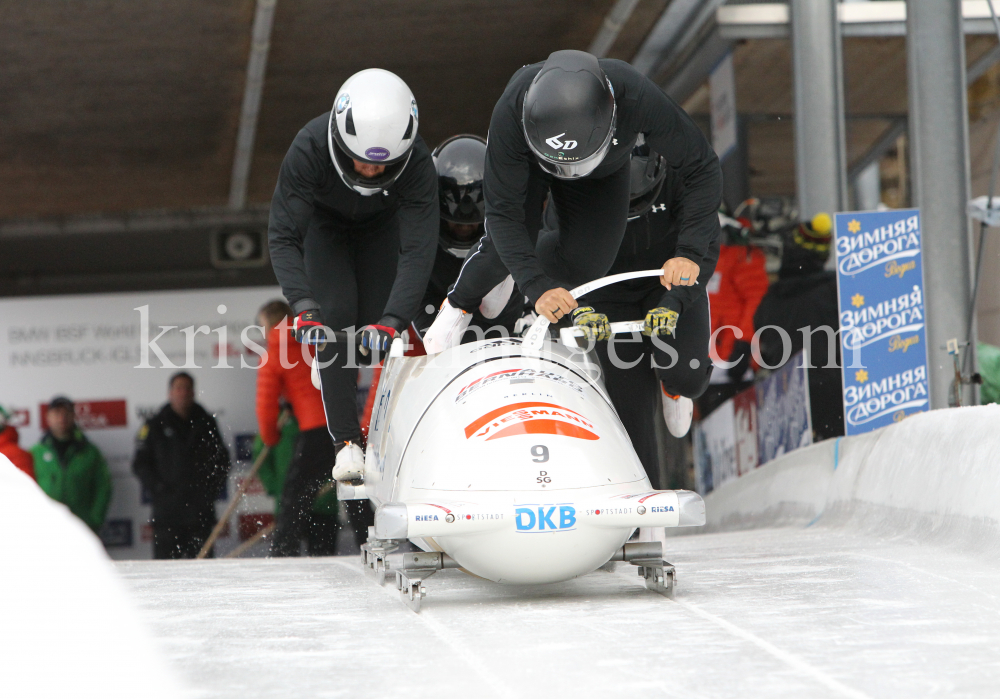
{"x": 722, "y": 102}
{"x": 89, "y": 347}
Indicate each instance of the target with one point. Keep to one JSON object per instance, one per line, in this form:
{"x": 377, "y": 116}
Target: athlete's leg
{"x": 632, "y": 384}
{"x": 688, "y": 373}
{"x": 330, "y": 268}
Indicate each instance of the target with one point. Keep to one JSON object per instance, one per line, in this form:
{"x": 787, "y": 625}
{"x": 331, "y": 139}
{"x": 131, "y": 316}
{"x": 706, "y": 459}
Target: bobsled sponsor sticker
{"x": 517, "y": 376}
{"x": 533, "y": 519}
{"x": 531, "y": 417}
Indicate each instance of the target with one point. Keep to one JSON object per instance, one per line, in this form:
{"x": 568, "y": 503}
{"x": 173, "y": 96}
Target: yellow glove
{"x": 661, "y": 321}
{"x": 595, "y": 325}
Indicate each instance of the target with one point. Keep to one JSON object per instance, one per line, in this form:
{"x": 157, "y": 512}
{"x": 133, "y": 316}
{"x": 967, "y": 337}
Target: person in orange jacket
{"x": 285, "y": 374}
{"x": 734, "y": 292}
{"x": 10, "y": 448}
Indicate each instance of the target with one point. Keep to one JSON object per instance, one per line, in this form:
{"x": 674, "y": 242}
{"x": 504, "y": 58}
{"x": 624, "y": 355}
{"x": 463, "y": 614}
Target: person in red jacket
{"x": 734, "y": 292}
{"x": 285, "y": 374}
{"x": 10, "y": 448}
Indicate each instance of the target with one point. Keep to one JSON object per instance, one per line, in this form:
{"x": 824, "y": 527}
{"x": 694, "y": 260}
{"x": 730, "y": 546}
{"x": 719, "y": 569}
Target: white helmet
{"x": 374, "y": 120}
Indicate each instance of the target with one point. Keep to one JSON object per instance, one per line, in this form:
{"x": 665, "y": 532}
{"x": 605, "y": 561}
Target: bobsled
{"x": 506, "y": 459}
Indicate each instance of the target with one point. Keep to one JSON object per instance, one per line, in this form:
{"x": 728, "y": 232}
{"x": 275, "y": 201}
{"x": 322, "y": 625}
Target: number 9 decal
{"x": 541, "y": 453}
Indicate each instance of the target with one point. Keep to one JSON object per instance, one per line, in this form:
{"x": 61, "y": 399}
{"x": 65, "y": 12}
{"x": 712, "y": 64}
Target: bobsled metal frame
{"x": 410, "y": 570}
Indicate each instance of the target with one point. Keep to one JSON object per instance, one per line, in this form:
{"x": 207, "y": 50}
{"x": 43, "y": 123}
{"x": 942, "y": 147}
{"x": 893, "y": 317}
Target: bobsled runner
{"x": 505, "y": 458}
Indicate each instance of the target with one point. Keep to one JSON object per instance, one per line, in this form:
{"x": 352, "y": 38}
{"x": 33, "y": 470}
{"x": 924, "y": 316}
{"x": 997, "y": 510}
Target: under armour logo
{"x": 614, "y": 141}
{"x": 659, "y": 207}
{"x": 563, "y": 145}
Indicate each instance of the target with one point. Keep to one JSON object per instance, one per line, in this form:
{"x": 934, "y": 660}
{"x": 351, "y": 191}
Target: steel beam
{"x": 260, "y": 44}
{"x": 872, "y": 19}
{"x": 939, "y": 153}
{"x": 612, "y": 27}
{"x": 818, "y": 86}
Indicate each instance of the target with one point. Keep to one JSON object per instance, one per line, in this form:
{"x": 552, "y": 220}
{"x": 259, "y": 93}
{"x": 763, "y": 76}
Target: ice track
{"x": 866, "y": 567}
{"x": 812, "y": 612}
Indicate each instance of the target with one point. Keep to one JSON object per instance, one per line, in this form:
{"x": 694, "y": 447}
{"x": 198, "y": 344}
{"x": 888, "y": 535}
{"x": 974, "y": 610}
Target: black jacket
{"x": 642, "y": 108}
{"x": 182, "y": 465}
{"x": 795, "y": 302}
{"x": 652, "y": 239}
{"x": 309, "y": 185}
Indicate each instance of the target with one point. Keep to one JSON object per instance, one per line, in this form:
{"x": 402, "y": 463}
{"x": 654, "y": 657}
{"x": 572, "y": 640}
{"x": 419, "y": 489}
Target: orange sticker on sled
{"x": 531, "y": 418}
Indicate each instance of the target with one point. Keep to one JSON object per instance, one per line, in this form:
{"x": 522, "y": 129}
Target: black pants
{"x": 633, "y": 366}
{"x": 592, "y": 217}
{"x": 310, "y": 469}
{"x": 362, "y": 516}
{"x": 351, "y": 274}
{"x": 172, "y": 541}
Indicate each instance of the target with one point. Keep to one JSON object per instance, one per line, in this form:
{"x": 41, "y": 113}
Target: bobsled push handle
{"x": 539, "y": 329}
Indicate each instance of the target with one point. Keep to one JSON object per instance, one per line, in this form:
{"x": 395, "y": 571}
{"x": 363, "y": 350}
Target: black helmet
{"x": 569, "y": 114}
{"x": 647, "y": 172}
{"x": 460, "y": 162}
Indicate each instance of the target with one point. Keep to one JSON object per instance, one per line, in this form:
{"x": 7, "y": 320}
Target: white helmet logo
{"x": 560, "y": 145}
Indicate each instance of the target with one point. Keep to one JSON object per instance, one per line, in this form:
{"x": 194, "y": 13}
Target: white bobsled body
{"x": 515, "y": 466}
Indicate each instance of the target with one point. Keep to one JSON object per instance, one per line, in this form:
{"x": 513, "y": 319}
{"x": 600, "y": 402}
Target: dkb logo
{"x": 542, "y": 518}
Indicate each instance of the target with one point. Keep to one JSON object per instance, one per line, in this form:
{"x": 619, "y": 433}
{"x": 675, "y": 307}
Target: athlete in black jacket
{"x": 353, "y": 229}
{"x": 638, "y": 371}
{"x": 576, "y": 119}
{"x": 460, "y": 162}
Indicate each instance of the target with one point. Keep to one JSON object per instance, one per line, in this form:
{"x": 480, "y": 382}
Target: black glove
{"x": 740, "y": 355}
{"x": 374, "y": 343}
{"x": 309, "y": 328}
{"x": 595, "y": 325}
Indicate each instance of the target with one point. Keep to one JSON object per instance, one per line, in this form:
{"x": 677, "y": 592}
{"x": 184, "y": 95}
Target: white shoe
{"x": 677, "y": 413}
{"x": 447, "y": 329}
{"x": 350, "y": 464}
{"x": 495, "y": 301}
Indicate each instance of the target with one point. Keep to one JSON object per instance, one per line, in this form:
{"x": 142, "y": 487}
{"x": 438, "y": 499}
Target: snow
{"x": 68, "y": 627}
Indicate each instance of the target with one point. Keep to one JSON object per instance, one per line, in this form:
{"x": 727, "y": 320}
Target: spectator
{"x": 69, "y": 468}
{"x": 182, "y": 463}
{"x": 10, "y": 448}
{"x": 739, "y": 283}
{"x": 286, "y": 374}
{"x": 805, "y": 295}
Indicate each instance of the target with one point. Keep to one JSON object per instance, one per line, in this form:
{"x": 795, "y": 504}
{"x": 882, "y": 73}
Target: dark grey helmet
{"x": 460, "y": 162}
{"x": 568, "y": 115}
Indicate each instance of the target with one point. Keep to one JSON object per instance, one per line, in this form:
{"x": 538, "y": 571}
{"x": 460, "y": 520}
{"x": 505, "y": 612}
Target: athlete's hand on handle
{"x": 680, "y": 271}
{"x": 309, "y": 328}
{"x": 554, "y": 304}
{"x": 375, "y": 341}
{"x": 595, "y": 325}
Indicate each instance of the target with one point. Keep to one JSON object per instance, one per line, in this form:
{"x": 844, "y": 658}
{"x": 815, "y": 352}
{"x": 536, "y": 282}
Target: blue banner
{"x": 880, "y": 281}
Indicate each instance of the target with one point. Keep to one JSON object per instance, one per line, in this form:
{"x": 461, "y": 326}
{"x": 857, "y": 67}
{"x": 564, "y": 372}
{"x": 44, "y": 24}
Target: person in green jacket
{"x": 69, "y": 468}
{"x": 322, "y": 526}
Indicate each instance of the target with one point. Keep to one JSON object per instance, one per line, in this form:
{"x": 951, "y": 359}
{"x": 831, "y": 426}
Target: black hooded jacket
{"x": 642, "y": 107}
{"x": 308, "y": 184}
{"x": 182, "y": 464}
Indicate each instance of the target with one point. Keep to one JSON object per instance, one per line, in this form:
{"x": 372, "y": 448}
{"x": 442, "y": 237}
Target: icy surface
{"x": 68, "y": 627}
{"x": 798, "y": 612}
